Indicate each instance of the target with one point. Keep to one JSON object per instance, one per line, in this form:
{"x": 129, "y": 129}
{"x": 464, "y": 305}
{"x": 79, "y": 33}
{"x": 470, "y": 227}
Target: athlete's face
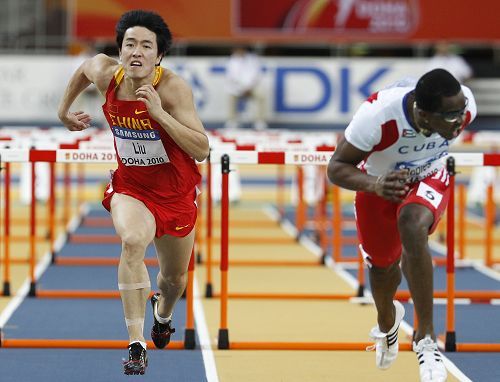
{"x": 448, "y": 120}
{"x": 139, "y": 52}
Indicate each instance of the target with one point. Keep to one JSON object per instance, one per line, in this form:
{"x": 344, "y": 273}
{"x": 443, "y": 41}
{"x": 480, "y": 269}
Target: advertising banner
{"x": 341, "y": 18}
{"x": 307, "y": 90}
{"x": 367, "y": 20}
{"x": 296, "y": 20}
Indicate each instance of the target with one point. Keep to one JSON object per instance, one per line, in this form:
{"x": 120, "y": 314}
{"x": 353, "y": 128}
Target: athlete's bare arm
{"x": 343, "y": 172}
{"x": 97, "y": 70}
{"x": 172, "y": 106}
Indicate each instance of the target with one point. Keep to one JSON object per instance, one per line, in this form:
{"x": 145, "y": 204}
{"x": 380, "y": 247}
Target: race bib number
{"x": 139, "y": 147}
{"x": 428, "y": 193}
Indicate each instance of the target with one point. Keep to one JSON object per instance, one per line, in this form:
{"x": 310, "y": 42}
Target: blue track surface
{"x": 70, "y": 365}
{"x": 85, "y": 277}
{"x": 91, "y": 319}
{"x": 79, "y": 319}
{"x": 103, "y": 319}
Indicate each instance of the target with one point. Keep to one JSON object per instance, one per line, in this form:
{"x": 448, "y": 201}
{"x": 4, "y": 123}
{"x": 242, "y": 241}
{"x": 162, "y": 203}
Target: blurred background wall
{"x": 320, "y": 58}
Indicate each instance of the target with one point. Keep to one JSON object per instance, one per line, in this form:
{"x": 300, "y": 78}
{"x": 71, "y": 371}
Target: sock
{"x": 160, "y": 319}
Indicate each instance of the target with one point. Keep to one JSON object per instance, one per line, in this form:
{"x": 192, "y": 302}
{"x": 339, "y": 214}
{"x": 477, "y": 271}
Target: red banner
{"x": 358, "y": 20}
{"x": 190, "y": 19}
{"x": 311, "y": 20}
{"x": 343, "y": 18}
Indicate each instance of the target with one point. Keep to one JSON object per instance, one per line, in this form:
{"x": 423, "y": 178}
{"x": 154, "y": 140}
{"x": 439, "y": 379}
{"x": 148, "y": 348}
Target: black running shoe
{"x": 137, "y": 360}
{"x": 160, "y": 333}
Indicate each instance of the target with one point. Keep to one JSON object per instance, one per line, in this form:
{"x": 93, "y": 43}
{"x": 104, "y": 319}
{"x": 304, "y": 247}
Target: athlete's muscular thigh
{"x": 174, "y": 253}
{"x": 132, "y": 220}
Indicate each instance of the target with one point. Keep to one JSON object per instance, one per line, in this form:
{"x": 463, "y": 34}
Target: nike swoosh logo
{"x": 139, "y": 111}
{"x": 178, "y": 228}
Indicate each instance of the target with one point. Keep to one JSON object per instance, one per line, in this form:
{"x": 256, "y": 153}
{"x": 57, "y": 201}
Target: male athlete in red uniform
{"x": 152, "y": 195}
{"x": 390, "y": 155}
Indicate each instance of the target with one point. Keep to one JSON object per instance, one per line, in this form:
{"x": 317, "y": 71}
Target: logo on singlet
{"x": 408, "y": 133}
{"x": 178, "y": 228}
{"x": 136, "y": 112}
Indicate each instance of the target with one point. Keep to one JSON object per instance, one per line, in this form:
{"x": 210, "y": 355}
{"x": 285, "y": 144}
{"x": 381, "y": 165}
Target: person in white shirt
{"x": 390, "y": 155}
{"x": 445, "y": 58}
{"x": 243, "y": 75}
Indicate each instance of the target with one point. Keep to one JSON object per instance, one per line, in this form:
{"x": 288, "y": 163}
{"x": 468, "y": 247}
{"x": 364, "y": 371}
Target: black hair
{"x": 150, "y": 20}
{"x": 433, "y": 86}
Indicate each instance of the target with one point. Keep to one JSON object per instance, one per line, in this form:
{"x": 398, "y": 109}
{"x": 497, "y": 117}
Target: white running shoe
{"x": 430, "y": 360}
{"x": 386, "y": 344}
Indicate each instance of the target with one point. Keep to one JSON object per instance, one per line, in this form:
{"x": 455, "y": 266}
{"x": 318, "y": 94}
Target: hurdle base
{"x": 189, "y": 339}
{"x": 6, "y": 288}
{"x": 209, "y": 291}
{"x": 323, "y": 258}
{"x": 361, "y": 291}
{"x": 223, "y": 339}
{"x": 199, "y": 258}
{"x": 450, "y": 343}
{"x": 32, "y": 292}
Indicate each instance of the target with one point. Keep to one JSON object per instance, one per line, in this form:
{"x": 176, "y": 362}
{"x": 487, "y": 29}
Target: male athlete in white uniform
{"x": 390, "y": 155}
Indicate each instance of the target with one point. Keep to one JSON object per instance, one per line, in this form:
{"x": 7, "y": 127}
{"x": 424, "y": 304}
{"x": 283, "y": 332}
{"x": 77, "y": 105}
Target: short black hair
{"x": 433, "y": 86}
{"x": 147, "y": 19}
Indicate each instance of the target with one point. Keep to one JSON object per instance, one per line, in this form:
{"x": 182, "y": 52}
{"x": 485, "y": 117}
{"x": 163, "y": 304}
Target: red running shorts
{"x": 377, "y": 218}
{"x": 177, "y": 218}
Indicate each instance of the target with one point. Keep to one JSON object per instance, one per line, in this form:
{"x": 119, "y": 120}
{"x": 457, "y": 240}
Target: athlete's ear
{"x": 158, "y": 59}
{"x": 424, "y": 115}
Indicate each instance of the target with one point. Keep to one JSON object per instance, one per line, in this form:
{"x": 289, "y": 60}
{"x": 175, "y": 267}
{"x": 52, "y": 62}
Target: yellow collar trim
{"x": 120, "y": 73}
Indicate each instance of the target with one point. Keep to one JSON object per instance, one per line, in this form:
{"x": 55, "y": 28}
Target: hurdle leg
{"x": 223, "y": 338}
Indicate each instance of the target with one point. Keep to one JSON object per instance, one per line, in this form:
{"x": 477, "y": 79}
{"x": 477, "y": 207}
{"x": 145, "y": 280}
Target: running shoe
{"x": 430, "y": 360}
{"x": 386, "y": 344}
{"x": 160, "y": 333}
{"x": 137, "y": 360}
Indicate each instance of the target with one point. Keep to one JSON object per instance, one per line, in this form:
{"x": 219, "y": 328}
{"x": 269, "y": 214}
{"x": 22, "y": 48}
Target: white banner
{"x": 304, "y": 90}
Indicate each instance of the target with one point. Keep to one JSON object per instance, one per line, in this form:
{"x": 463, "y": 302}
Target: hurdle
{"x": 223, "y": 336}
{"x": 68, "y": 156}
{"x": 467, "y": 159}
{"x": 36, "y": 139}
{"x": 449, "y": 338}
{"x": 268, "y": 157}
{"x": 277, "y": 141}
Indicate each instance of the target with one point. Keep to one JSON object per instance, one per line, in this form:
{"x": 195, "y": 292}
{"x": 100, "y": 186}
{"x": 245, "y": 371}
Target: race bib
{"x": 430, "y": 194}
{"x": 139, "y": 147}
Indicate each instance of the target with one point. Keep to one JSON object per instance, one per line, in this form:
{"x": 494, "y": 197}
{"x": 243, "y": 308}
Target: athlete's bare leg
{"x": 173, "y": 257}
{"x": 414, "y": 222}
{"x": 384, "y": 283}
{"x": 135, "y": 225}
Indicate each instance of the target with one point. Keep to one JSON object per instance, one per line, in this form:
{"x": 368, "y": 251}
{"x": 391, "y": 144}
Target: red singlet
{"x": 152, "y": 168}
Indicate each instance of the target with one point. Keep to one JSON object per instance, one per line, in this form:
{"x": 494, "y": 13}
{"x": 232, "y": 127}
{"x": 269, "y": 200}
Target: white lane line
{"x": 204, "y": 337}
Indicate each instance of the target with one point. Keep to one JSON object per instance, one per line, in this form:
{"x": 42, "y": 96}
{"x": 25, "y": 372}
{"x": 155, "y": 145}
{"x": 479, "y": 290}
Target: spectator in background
{"x": 445, "y": 58}
{"x": 243, "y": 75}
